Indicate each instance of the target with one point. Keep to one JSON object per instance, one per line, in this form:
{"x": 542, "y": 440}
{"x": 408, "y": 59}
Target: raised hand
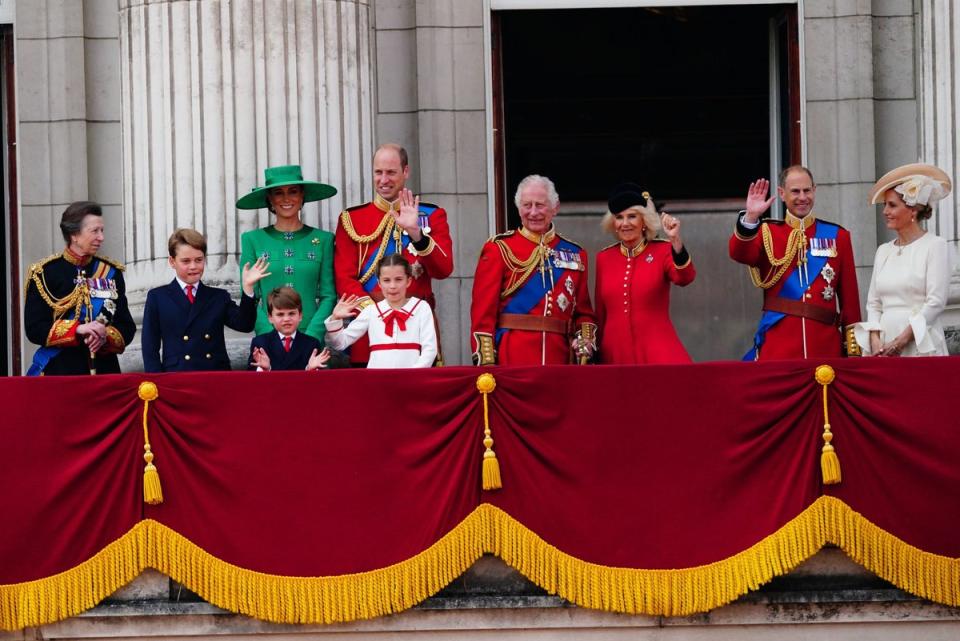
{"x": 408, "y": 217}
{"x": 253, "y": 274}
{"x": 757, "y": 201}
{"x": 671, "y": 227}
{"x": 260, "y": 359}
{"x": 346, "y": 307}
{"x": 318, "y": 361}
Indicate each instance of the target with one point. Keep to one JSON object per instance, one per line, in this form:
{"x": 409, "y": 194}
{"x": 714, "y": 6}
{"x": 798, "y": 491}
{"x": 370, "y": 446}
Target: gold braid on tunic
{"x": 520, "y": 270}
{"x": 60, "y": 306}
{"x": 796, "y": 249}
{"x": 384, "y": 231}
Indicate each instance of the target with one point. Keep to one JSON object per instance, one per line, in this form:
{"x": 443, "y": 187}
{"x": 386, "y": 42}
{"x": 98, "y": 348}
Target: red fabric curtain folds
{"x": 338, "y": 473}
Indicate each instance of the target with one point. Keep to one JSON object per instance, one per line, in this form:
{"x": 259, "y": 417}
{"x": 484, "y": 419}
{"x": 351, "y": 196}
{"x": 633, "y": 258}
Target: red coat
{"x": 359, "y": 235}
{"x": 564, "y": 299}
{"x": 786, "y": 338}
{"x": 633, "y": 303}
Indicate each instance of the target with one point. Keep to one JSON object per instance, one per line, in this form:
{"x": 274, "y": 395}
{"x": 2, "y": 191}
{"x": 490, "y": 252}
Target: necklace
{"x": 900, "y": 243}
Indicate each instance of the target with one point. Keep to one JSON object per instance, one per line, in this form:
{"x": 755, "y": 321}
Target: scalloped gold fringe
{"x": 398, "y": 587}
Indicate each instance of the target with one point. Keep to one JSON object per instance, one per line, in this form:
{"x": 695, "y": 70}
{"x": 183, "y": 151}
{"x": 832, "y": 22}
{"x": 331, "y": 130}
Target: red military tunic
{"x": 633, "y": 303}
{"x": 360, "y": 235}
{"x": 558, "y": 292}
{"x": 821, "y": 298}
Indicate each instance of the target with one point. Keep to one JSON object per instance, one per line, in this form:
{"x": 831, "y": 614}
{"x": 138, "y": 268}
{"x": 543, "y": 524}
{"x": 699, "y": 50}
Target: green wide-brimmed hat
{"x": 274, "y": 177}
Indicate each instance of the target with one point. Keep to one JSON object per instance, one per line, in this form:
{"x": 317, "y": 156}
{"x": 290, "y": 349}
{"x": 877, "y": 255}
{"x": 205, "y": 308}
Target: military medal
{"x": 424, "y": 222}
{"x": 569, "y": 285}
{"x": 824, "y": 247}
{"x": 563, "y": 259}
{"x": 649, "y": 258}
{"x": 562, "y": 302}
{"x": 417, "y": 270}
{"x": 828, "y": 275}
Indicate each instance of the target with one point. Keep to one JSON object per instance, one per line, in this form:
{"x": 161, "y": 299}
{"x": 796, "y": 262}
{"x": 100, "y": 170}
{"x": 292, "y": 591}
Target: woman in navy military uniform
{"x": 76, "y": 304}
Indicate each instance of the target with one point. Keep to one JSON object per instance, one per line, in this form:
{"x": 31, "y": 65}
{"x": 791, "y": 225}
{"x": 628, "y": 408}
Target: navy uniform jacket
{"x": 300, "y": 350}
{"x": 191, "y": 333}
{"x": 57, "y": 276}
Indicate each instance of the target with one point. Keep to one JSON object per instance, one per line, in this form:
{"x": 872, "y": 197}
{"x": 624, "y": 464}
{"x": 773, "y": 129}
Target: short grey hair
{"x": 552, "y": 195}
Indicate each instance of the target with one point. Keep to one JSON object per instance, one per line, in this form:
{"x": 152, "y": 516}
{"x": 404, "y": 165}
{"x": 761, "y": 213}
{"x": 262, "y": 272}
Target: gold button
{"x": 809, "y": 295}
{"x": 206, "y": 336}
{"x": 185, "y": 337}
{"x": 187, "y": 357}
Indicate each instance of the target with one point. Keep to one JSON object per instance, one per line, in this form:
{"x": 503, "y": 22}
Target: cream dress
{"x": 909, "y": 286}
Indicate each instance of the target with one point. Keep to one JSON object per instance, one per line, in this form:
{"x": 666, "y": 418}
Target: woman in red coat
{"x": 633, "y": 282}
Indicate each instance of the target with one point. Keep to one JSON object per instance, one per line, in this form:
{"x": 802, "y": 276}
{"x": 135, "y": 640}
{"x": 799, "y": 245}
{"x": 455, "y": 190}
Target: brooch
{"x": 828, "y": 275}
{"x": 315, "y": 241}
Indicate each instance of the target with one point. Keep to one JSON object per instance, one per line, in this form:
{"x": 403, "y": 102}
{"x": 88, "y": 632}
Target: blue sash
{"x": 792, "y": 289}
{"x": 533, "y": 291}
{"x": 44, "y": 355}
{"x": 391, "y": 248}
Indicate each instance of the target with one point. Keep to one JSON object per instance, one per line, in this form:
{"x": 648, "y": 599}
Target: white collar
{"x": 293, "y": 335}
{"x": 183, "y": 285}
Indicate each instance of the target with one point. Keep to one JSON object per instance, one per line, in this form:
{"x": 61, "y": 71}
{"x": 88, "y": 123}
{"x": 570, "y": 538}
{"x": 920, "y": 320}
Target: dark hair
{"x": 395, "y": 259}
{"x": 404, "y": 160}
{"x": 270, "y": 193}
{"x": 924, "y": 212}
{"x": 186, "y": 236}
{"x": 786, "y": 172}
{"x": 71, "y": 222}
{"x": 284, "y": 298}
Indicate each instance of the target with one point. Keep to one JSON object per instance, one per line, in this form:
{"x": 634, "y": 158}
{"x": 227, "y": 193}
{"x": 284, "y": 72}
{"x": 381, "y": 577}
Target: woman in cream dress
{"x": 911, "y": 273}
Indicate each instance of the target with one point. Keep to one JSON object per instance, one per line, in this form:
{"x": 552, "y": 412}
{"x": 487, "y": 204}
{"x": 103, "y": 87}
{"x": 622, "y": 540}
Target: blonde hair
{"x": 650, "y": 221}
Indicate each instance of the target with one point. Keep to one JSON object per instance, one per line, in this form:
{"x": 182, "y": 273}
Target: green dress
{"x": 302, "y": 259}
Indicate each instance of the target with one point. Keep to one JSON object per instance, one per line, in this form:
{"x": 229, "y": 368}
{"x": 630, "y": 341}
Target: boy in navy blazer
{"x": 286, "y": 348}
{"x": 185, "y": 319}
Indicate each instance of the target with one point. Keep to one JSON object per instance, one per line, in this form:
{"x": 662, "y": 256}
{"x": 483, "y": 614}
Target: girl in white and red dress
{"x": 400, "y": 329}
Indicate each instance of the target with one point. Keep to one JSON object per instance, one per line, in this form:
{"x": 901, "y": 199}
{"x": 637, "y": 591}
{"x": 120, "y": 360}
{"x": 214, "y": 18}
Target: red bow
{"x": 398, "y": 317}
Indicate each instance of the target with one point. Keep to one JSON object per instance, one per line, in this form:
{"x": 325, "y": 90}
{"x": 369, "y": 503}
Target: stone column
{"x": 939, "y": 138}
{"x": 213, "y": 92}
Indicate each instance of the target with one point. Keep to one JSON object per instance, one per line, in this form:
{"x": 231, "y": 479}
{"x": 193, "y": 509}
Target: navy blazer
{"x": 298, "y": 356}
{"x": 191, "y": 334}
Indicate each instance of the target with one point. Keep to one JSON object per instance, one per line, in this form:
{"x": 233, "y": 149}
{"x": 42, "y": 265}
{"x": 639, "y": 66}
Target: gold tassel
{"x": 491, "y": 467}
{"x": 829, "y": 462}
{"x": 152, "y": 491}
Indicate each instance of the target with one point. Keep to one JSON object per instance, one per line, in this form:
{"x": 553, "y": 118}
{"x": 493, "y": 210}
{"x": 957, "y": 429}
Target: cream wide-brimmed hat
{"x": 917, "y": 183}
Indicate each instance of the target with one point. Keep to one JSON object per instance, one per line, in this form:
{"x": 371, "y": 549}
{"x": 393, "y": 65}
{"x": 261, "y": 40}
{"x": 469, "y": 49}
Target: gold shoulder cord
{"x": 60, "y": 306}
{"x": 521, "y": 269}
{"x": 357, "y": 238}
{"x": 796, "y": 248}
{"x": 385, "y": 228}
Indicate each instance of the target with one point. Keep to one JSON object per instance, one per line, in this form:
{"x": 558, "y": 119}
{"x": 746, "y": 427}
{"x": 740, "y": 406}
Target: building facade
{"x": 166, "y": 111}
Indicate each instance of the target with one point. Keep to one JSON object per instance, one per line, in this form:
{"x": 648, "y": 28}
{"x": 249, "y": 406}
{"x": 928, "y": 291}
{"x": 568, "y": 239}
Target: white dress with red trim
{"x": 403, "y": 337}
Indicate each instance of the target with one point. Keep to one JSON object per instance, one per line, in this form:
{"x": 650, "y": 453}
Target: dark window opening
{"x": 676, "y": 98}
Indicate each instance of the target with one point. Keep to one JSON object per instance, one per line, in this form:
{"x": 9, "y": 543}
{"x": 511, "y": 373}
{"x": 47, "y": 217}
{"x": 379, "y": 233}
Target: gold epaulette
{"x": 111, "y": 261}
{"x": 502, "y": 236}
{"x": 574, "y": 243}
{"x": 37, "y": 267}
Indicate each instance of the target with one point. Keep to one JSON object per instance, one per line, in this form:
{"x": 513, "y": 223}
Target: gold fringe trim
{"x": 398, "y": 587}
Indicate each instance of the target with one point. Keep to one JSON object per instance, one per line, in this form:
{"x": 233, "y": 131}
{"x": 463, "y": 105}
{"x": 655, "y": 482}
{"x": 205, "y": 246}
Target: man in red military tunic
{"x": 395, "y": 221}
{"x": 804, "y": 266}
{"x": 531, "y": 305}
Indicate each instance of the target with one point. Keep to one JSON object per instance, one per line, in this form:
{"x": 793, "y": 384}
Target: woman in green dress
{"x": 300, "y": 256}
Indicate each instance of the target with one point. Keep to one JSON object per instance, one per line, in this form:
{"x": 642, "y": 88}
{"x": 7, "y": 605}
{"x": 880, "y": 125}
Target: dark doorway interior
{"x": 675, "y": 98}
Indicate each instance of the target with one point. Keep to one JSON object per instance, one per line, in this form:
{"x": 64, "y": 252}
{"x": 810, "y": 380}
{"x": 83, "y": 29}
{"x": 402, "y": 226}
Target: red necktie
{"x": 189, "y": 290}
{"x": 398, "y": 317}
{"x": 287, "y": 341}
